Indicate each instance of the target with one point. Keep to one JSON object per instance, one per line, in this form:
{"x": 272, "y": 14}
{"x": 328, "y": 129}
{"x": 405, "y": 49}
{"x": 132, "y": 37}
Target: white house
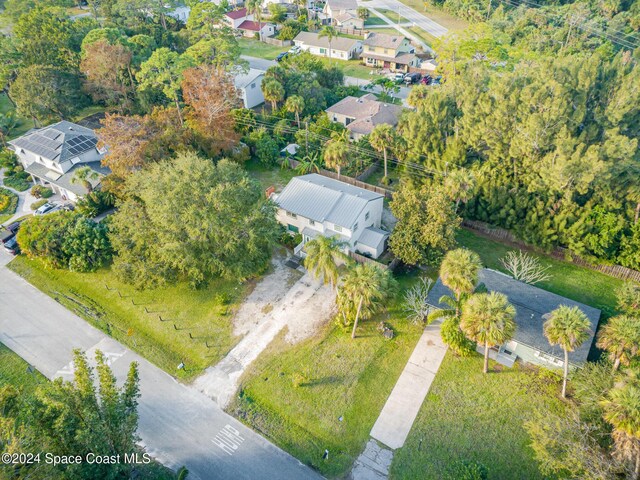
{"x": 341, "y": 47}
{"x": 243, "y": 21}
{"x": 52, "y": 154}
{"x": 235, "y": 17}
{"x": 248, "y": 86}
{"x": 343, "y": 13}
{"x": 315, "y": 205}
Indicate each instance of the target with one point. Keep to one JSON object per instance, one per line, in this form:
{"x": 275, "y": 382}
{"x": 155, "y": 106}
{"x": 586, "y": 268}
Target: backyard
{"x": 166, "y": 325}
{"x": 472, "y": 417}
{"x": 326, "y": 392}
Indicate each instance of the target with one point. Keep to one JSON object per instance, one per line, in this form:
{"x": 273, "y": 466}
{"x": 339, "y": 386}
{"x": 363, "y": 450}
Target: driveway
{"x": 282, "y": 299}
{"x": 178, "y": 424}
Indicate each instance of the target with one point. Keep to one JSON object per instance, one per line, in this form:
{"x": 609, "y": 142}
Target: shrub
{"x": 95, "y": 203}
{"x": 455, "y": 338}
{"x": 288, "y": 240}
{"x": 38, "y": 204}
{"x": 40, "y": 191}
{"x": 19, "y": 180}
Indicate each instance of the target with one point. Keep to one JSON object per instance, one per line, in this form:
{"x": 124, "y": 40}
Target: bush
{"x": 455, "y": 338}
{"x": 19, "y": 180}
{"x": 38, "y": 204}
{"x": 288, "y": 240}
{"x": 95, "y": 203}
{"x": 40, "y": 191}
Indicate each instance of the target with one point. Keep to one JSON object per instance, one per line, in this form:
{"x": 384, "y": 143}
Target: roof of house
{"x": 337, "y": 43}
{"x": 383, "y": 40}
{"x": 236, "y": 14}
{"x": 367, "y": 112}
{"x": 242, "y": 79}
{"x": 532, "y": 304}
{"x": 344, "y": 16}
{"x": 337, "y": 5}
{"x": 323, "y": 199}
{"x": 402, "y": 58}
{"x": 251, "y": 25}
{"x": 372, "y": 237}
{"x": 58, "y": 142}
{"x": 64, "y": 180}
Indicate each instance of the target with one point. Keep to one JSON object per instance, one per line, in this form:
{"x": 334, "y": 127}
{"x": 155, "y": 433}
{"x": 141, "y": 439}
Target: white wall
{"x": 252, "y": 94}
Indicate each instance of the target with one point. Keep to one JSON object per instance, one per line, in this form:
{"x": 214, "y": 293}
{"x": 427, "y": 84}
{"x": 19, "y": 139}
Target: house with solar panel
{"x": 314, "y": 205}
{"x": 52, "y": 154}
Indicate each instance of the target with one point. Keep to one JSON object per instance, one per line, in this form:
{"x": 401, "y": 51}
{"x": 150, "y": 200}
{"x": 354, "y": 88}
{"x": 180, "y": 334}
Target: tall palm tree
{"x": 83, "y": 176}
{"x": 620, "y": 337}
{"x": 336, "y": 154}
{"x": 488, "y": 319}
{"x": 364, "y": 289}
{"x": 273, "y": 91}
{"x": 254, "y": 7}
{"x": 459, "y": 185}
{"x": 459, "y": 271}
{"x": 323, "y": 255}
{"x": 330, "y": 32}
{"x": 568, "y": 327}
{"x": 295, "y": 105}
{"x": 622, "y": 411}
{"x": 382, "y": 138}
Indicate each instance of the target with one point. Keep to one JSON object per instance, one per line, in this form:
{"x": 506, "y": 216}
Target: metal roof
{"x": 531, "y": 304}
{"x": 323, "y": 199}
{"x": 372, "y": 237}
{"x": 58, "y": 142}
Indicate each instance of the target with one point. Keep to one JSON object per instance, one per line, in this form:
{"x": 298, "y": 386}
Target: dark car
{"x": 426, "y": 80}
{"x": 6, "y": 235}
{"x": 11, "y": 246}
{"x": 410, "y": 78}
{"x": 282, "y": 56}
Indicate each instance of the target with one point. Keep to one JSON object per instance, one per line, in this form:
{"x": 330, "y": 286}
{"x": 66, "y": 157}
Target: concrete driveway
{"x": 178, "y": 424}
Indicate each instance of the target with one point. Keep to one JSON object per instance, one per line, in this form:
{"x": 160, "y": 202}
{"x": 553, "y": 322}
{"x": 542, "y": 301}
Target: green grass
{"x": 120, "y": 312}
{"x": 469, "y": 416}
{"x": 351, "y": 68}
{"x": 572, "y": 281}
{"x": 339, "y": 377}
{"x": 445, "y": 19}
{"x": 13, "y": 371}
{"x": 422, "y": 35}
{"x": 10, "y": 209}
{"x": 374, "y": 20}
{"x": 269, "y": 176}
{"x": 392, "y": 15}
{"x": 255, "y": 48}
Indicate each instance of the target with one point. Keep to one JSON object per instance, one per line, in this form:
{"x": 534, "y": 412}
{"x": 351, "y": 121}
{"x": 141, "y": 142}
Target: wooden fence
{"x": 277, "y": 42}
{"x": 362, "y": 259}
{"x": 559, "y": 253}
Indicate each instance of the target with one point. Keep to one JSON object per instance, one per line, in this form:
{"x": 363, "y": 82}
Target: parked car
{"x": 436, "y": 81}
{"x": 294, "y": 50}
{"x": 398, "y": 77}
{"x": 426, "y": 80}
{"x": 6, "y": 235}
{"x": 44, "y": 209}
{"x": 12, "y": 246}
{"x": 282, "y": 56}
{"x": 410, "y": 78}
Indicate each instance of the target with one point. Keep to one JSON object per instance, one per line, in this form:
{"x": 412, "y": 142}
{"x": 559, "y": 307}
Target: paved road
{"x": 178, "y": 425}
{"x": 263, "y": 64}
{"x": 415, "y": 17}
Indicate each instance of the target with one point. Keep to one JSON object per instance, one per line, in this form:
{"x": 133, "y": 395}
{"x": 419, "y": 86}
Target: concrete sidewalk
{"x": 402, "y": 407}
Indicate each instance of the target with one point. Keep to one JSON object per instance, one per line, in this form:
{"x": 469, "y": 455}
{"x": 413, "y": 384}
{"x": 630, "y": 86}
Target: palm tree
{"x": 568, "y": 327}
{"x": 364, "y": 289}
{"x": 622, "y": 411}
{"x": 459, "y": 271}
{"x": 382, "y": 138}
{"x": 336, "y": 154}
{"x": 329, "y": 32}
{"x": 488, "y": 319}
{"x": 309, "y": 163}
{"x": 295, "y": 105}
{"x": 254, "y": 7}
{"x": 273, "y": 91}
{"x": 620, "y": 337}
{"x": 363, "y": 13}
{"x": 84, "y": 175}
{"x": 459, "y": 185}
{"x": 323, "y": 255}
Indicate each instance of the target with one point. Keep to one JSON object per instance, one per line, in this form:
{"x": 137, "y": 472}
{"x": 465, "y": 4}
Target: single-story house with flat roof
{"x": 52, "y": 154}
{"x": 341, "y": 47}
{"x": 532, "y": 306}
{"x": 315, "y": 205}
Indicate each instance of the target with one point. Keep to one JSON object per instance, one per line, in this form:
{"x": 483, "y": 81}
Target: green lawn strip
{"x": 469, "y": 416}
{"x": 569, "y": 280}
{"x": 13, "y": 371}
{"x": 392, "y": 15}
{"x": 422, "y": 35}
{"x": 120, "y": 312}
{"x": 445, "y": 19}
{"x": 255, "y": 48}
{"x": 373, "y": 19}
{"x": 337, "y": 377}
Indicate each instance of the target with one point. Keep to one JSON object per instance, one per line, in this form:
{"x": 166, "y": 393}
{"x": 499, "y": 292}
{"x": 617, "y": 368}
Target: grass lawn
{"x": 13, "y": 371}
{"x": 471, "y": 417}
{"x": 131, "y": 316}
{"x": 269, "y": 176}
{"x": 374, "y": 20}
{"x": 422, "y": 35}
{"x": 23, "y": 124}
{"x": 296, "y": 395}
{"x": 351, "y": 68}
{"x": 572, "y": 281}
{"x": 255, "y": 48}
{"x": 445, "y": 19}
{"x": 392, "y": 15}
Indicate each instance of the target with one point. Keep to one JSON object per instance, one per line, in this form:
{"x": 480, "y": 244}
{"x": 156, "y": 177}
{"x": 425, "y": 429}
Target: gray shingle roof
{"x": 58, "y": 142}
{"x": 366, "y": 112}
{"x": 337, "y": 43}
{"x": 323, "y": 199}
{"x": 64, "y": 181}
{"x": 383, "y": 40}
{"x": 531, "y": 304}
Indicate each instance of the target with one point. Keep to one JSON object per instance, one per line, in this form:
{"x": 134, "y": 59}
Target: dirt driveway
{"x": 283, "y": 298}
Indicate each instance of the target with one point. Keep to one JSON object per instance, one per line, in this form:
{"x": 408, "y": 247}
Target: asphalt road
{"x": 413, "y": 16}
{"x": 178, "y": 425}
{"x": 263, "y": 64}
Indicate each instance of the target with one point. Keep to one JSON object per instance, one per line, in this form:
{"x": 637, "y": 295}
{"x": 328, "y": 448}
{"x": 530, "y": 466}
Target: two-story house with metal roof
{"x": 315, "y": 205}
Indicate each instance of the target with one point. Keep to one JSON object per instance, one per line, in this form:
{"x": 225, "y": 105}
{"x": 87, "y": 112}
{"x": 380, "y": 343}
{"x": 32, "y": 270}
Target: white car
{"x": 46, "y": 208}
{"x": 295, "y": 50}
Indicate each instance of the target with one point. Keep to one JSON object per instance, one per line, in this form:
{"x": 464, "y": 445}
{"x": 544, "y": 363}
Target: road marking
{"x": 228, "y": 439}
{"x": 109, "y": 359}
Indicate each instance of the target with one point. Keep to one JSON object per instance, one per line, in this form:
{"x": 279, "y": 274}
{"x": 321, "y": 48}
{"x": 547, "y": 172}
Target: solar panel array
{"x": 81, "y": 143}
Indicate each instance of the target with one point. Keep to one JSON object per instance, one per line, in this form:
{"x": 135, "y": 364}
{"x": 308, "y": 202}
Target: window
{"x": 253, "y": 85}
{"x": 366, "y": 216}
{"x": 292, "y": 228}
{"x": 311, "y": 222}
{"x": 323, "y": 50}
{"x": 355, "y": 226}
{"x": 370, "y": 49}
{"x": 292, "y": 215}
{"x": 337, "y": 228}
